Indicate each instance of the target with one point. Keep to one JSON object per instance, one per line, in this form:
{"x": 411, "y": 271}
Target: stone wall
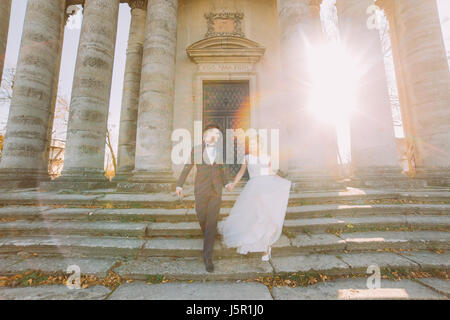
{"x": 192, "y": 27}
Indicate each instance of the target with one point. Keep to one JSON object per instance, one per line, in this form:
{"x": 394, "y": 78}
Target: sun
{"x": 333, "y": 83}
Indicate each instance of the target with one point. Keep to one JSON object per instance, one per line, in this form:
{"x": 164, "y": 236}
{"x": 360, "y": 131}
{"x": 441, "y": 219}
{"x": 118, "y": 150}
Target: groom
{"x": 211, "y": 175}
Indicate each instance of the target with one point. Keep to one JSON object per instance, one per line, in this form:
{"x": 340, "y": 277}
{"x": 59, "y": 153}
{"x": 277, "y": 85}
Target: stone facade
{"x": 175, "y": 46}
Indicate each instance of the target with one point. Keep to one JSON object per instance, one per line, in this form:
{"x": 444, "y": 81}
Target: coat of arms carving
{"x": 224, "y": 24}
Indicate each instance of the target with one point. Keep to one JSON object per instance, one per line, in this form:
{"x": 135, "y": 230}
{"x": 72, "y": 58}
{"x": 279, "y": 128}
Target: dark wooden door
{"x": 226, "y": 103}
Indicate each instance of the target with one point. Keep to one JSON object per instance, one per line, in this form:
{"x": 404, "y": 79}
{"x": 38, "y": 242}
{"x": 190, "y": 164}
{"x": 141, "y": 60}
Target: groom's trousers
{"x": 207, "y": 207}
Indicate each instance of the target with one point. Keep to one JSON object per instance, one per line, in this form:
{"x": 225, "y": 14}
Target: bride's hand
{"x": 230, "y": 187}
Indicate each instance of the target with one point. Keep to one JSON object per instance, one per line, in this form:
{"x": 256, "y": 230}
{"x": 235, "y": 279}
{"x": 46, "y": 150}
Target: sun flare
{"x": 334, "y": 78}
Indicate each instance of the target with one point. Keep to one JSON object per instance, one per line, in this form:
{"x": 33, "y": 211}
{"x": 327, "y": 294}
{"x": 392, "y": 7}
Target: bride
{"x": 256, "y": 219}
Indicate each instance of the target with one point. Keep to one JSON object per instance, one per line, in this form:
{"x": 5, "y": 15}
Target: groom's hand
{"x": 179, "y": 192}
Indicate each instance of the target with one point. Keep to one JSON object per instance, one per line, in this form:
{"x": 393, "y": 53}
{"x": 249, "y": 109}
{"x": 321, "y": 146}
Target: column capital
{"x": 70, "y": 11}
{"x": 138, "y": 4}
{"x": 314, "y": 6}
{"x": 387, "y": 7}
{"x": 315, "y": 3}
{"x": 290, "y": 6}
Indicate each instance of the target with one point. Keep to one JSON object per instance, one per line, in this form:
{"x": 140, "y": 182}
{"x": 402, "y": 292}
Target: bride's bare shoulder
{"x": 264, "y": 157}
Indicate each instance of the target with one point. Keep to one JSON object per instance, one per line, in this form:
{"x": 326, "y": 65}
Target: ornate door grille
{"x": 226, "y": 103}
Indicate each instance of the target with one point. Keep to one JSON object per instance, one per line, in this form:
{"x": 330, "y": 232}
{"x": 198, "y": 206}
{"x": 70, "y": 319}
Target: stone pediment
{"x": 225, "y": 49}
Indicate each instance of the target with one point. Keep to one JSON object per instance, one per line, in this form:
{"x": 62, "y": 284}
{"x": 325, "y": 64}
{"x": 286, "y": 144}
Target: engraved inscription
{"x": 225, "y": 67}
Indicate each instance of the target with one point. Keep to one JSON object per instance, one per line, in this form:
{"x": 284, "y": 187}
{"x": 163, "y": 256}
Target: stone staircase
{"x": 334, "y": 233}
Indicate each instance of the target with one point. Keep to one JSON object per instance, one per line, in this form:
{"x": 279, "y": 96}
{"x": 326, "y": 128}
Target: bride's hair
{"x": 249, "y": 139}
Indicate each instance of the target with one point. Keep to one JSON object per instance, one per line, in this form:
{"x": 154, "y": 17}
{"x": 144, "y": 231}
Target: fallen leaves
{"x": 36, "y": 278}
{"x": 304, "y": 279}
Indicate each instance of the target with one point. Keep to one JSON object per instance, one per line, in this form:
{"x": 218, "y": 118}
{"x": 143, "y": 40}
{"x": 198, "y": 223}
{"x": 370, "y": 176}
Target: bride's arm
{"x": 240, "y": 174}
{"x": 269, "y": 164}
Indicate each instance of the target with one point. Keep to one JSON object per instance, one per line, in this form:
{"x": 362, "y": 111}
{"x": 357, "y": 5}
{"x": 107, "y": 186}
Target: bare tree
{"x": 56, "y": 158}
{"x": 1, "y": 145}
{"x": 110, "y": 172}
{"x": 6, "y": 89}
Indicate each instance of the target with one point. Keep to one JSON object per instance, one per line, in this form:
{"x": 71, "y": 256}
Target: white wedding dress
{"x": 256, "y": 219}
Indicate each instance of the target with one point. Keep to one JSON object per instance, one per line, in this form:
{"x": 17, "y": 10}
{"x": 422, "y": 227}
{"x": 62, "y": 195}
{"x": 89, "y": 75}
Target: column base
{"x": 386, "y": 177}
{"x": 122, "y": 176}
{"x": 22, "y": 178}
{"x": 148, "y": 182}
{"x": 78, "y": 181}
{"x": 434, "y": 177}
{"x": 314, "y": 181}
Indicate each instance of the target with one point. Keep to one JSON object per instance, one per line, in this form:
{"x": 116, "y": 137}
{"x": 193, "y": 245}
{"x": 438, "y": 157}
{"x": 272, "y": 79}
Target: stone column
{"x": 5, "y": 11}
{"x": 86, "y": 131}
{"x": 28, "y": 132}
{"x": 314, "y": 8}
{"x": 373, "y": 145}
{"x": 131, "y": 87}
{"x": 422, "y": 66}
{"x": 309, "y": 140}
{"x": 153, "y": 164}
{"x": 388, "y": 8}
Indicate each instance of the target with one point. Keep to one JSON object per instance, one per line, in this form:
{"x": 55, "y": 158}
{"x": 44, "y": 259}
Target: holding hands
{"x": 179, "y": 192}
{"x": 229, "y": 187}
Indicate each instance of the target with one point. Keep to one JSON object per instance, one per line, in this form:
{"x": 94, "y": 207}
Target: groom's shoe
{"x": 209, "y": 265}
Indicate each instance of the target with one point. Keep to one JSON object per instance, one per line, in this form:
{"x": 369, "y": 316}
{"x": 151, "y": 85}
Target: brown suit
{"x": 209, "y": 180}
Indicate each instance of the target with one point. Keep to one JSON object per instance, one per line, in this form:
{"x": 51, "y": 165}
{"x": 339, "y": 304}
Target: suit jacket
{"x": 209, "y": 177}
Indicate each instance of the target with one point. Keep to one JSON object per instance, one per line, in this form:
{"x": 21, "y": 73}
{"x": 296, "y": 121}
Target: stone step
{"x": 340, "y": 289}
{"x": 169, "y": 200}
{"x": 315, "y": 225}
{"x": 188, "y": 214}
{"x": 242, "y": 268}
{"x": 342, "y": 210}
{"x": 302, "y": 243}
{"x": 359, "y": 241}
{"x": 320, "y": 225}
{"x": 316, "y": 197}
{"x": 21, "y": 263}
{"x": 235, "y": 268}
{"x": 356, "y": 289}
{"x": 396, "y": 240}
{"x": 180, "y": 247}
{"x": 98, "y": 228}
{"x": 72, "y": 246}
{"x": 309, "y": 211}
{"x": 193, "y": 268}
{"x": 197, "y": 290}
{"x": 55, "y": 292}
{"x": 22, "y": 228}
